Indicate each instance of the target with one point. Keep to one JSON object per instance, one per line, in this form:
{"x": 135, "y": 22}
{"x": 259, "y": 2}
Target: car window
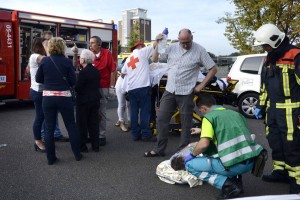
{"x": 252, "y": 65}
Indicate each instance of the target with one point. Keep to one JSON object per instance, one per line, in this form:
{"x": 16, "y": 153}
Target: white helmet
{"x": 268, "y": 34}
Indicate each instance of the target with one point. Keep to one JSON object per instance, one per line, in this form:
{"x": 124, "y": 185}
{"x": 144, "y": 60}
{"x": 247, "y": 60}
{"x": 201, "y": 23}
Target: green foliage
{"x": 134, "y": 36}
{"x": 251, "y": 14}
{"x": 211, "y": 55}
{"x": 235, "y": 54}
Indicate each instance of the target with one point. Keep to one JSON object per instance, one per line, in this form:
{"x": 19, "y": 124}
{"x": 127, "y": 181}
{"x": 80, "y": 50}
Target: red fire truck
{"x": 17, "y": 30}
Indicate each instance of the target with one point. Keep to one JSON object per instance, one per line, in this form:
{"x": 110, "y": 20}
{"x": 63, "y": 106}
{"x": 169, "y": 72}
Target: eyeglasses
{"x": 186, "y": 43}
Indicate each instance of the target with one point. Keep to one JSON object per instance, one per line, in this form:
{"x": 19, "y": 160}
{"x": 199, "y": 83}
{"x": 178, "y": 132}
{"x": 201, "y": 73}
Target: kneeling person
{"x": 227, "y": 147}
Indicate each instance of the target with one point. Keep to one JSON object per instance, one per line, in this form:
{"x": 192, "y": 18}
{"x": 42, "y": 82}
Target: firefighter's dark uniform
{"x": 280, "y": 95}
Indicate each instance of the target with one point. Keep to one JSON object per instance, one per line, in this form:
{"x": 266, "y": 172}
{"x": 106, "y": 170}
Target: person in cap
{"x": 280, "y": 96}
{"x": 138, "y": 87}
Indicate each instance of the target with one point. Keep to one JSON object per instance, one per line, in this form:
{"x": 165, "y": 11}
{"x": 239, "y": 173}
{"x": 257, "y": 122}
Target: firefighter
{"x": 280, "y": 96}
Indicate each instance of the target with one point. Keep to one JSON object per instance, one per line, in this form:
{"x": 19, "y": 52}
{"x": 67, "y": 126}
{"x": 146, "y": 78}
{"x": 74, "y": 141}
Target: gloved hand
{"x": 188, "y": 158}
{"x": 258, "y": 114}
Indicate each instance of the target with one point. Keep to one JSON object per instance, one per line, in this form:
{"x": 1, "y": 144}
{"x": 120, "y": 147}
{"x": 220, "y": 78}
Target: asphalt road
{"x": 118, "y": 171}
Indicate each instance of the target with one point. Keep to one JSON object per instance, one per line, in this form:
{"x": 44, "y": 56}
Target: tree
{"x": 211, "y": 55}
{"x": 251, "y": 14}
{"x": 134, "y": 35}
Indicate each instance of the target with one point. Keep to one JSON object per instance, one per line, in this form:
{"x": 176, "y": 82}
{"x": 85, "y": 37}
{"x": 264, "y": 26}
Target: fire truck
{"x": 19, "y": 28}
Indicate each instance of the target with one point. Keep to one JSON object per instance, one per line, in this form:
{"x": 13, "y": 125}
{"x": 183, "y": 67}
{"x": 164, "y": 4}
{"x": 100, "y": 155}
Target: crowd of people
{"x": 226, "y": 147}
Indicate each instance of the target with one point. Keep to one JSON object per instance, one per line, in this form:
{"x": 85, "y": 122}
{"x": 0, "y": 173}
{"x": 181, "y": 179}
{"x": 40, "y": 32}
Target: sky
{"x": 199, "y": 16}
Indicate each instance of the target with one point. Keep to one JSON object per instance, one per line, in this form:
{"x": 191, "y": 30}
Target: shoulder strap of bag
{"x": 63, "y": 77}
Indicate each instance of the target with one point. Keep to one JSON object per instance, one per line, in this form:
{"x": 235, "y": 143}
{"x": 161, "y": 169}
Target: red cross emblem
{"x": 132, "y": 62}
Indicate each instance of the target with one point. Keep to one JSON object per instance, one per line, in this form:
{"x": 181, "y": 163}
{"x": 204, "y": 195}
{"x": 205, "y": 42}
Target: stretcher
{"x": 222, "y": 92}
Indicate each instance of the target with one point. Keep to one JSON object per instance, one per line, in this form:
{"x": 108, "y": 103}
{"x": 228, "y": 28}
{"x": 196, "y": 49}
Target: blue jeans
{"x": 140, "y": 102}
{"x": 37, "y": 98}
{"x": 57, "y": 132}
{"x": 212, "y": 170}
{"x": 65, "y": 105}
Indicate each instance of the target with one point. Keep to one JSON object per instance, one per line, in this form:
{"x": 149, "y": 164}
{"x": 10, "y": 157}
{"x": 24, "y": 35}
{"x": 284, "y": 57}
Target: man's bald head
{"x": 185, "y": 32}
{"x": 185, "y": 38}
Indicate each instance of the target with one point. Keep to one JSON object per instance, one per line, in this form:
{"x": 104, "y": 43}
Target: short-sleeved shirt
{"x": 33, "y": 69}
{"x": 136, "y": 68}
{"x": 207, "y": 130}
{"x": 184, "y": 66}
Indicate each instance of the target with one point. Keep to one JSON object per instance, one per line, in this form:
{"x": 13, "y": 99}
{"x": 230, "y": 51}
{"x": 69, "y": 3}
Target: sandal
{"x": 152, "y": 154}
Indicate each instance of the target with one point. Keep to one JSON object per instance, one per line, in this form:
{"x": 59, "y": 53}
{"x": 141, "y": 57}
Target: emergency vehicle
{"x": 19, "y": 28}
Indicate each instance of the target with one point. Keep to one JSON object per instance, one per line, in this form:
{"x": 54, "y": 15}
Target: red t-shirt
{"x": 106, "y": 65}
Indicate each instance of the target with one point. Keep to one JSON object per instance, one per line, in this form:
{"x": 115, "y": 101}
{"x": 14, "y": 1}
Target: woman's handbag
{"x": 72, "y": 90}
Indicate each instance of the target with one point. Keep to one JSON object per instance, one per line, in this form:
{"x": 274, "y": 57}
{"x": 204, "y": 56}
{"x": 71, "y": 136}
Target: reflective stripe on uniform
{"x": 267, "y": 127}
{"x": 212, "y": 179}
{"x": 239, "y": 152}
{"x": 263, "y": 95}
{"x": 277, "y": 162}
{"x": 203, "y": 175}
{"x": 278, "y": 165}
{"x": 232, "y": 142}
{"x": 286, "y": 81}
{"x": 293, "y": 171}
{"x": 297, "y": 79}
{"x": 288, "y": 105}
{"x": 288, "y": 66}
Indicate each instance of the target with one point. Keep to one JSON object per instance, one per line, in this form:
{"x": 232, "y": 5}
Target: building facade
{"x": 130, "y": 18}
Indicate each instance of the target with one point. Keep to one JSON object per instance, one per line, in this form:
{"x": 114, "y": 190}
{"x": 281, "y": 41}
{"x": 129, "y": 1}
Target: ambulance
{"x": 19, "y": 28}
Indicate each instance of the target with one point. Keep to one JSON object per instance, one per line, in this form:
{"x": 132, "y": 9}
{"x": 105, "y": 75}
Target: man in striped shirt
{"x": 184, "y": 59}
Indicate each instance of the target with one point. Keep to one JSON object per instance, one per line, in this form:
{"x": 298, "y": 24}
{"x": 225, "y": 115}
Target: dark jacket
{"x": 87, "y": 86}
{"x": 48, "y": 75}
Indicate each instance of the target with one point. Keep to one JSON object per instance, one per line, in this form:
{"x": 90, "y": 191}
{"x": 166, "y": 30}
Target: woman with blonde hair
{"x": 57, "y": 74}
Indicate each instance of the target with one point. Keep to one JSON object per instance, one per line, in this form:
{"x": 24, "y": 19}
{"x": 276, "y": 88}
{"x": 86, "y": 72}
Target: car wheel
{"x": 247, "y": 104}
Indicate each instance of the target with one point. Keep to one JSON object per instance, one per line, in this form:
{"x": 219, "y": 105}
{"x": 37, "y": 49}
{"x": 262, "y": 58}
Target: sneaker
{"x": 102, "y": 141}
{"x": 61, "y": 139}
{"x": 277, "y": 176}
{"x": 117, "y": 123}
{"x": 230, "y": 190}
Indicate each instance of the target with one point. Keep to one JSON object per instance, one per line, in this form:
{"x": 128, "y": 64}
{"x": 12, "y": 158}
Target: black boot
{"x": 277, "y": 176}
{"x": 294, "y": 187}
{"x": 239, "y": 182}
{"x": 230, "y": 189}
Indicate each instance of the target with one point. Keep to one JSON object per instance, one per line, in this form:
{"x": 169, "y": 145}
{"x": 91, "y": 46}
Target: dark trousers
{"x": 168, "y": 106}
{"x": 65, "y": 105}
{"x": 37, "y": 98}
{"x": 140, "y": 102}
{"x": 155, "y": 97}
{"x": 87, "y": 116}
{"x": 285, "y": 152}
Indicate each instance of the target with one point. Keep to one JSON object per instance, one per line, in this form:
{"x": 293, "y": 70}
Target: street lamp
{"x": 145, "y": 11}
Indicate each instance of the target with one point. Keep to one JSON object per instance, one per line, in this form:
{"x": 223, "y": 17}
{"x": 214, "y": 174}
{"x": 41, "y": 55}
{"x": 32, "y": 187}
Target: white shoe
{"x": 123, "y": 127}
{"x": 117, "y": 123}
